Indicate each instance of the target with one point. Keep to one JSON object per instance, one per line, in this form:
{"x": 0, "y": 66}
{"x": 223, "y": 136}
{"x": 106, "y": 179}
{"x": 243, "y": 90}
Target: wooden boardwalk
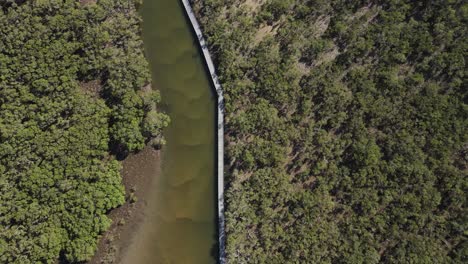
{"x": 220, "y": 124}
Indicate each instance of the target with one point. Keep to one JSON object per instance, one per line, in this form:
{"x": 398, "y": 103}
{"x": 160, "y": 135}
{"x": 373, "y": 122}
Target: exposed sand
{"x": 139, "y": 173}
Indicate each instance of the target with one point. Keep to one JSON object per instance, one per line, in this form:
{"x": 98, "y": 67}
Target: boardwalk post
{"x": 220, "y": 126}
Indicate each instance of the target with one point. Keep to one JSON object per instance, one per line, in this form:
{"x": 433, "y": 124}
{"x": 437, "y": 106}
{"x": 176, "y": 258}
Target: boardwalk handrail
{"x": 220, "y": 127}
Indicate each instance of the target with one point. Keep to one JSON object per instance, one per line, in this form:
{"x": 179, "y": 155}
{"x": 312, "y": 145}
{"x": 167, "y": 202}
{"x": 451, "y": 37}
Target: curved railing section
{"x": 220, "y": 124}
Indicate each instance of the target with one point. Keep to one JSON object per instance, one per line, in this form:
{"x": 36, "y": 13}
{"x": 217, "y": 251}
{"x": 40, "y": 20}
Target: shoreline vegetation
{"x": 345, "y": 129}
{"x": 75, "y": 98}
{"x": 138, "y": 175}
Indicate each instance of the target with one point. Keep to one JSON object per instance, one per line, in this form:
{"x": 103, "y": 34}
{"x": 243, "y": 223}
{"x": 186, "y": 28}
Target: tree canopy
{"x": 345, "y": 129}
{"x": 71, "y": 97}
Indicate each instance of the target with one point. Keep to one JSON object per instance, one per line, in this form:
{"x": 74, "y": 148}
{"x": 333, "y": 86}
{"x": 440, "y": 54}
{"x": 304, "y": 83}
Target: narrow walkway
{"x": 220, "y": 120}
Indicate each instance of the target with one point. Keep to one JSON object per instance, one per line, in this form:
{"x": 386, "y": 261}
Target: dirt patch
{"x": 328, "y": 56}
{"x": 85, "y": 2}
{"x": 253, "y": 4}
{"x": 303, "y": 68}
{"x": 262, "y": 33}
{"x": 321, "y": 25}
{"x": 138, "y": 173}
{"x": 92, "y": 88}
{"x": 266, "y": 30}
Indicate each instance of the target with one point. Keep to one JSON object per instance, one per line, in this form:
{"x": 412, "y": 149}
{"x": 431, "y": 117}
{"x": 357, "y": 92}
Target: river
{"x": 180, "y": 225}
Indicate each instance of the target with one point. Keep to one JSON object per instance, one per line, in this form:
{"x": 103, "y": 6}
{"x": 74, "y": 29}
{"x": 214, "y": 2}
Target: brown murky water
{"x": 180, "y": 221}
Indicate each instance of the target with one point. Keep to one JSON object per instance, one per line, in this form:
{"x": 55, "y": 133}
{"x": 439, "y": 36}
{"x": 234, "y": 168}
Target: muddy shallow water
{"x": 180, "y": 219}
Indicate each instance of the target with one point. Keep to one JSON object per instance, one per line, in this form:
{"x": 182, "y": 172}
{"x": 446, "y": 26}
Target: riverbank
{"x": 138, "y": 173}
{"x": 181, "y": 219}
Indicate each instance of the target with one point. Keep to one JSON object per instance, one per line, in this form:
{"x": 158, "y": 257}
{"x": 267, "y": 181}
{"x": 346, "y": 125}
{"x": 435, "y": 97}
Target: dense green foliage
{"x": 71, "y": 78}
{"x": 345, "y": 129}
